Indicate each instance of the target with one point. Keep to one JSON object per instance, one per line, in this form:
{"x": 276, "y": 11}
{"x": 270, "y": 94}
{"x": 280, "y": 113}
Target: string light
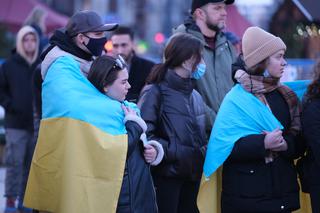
{"x": 306, "y": 31}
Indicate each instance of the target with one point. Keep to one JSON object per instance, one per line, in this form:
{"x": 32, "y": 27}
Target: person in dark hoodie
{"x": 206, "y": 21}
{"x": 16, "y": 98}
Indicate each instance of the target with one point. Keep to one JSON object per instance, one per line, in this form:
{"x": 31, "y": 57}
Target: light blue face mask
{"x": 199, "y": 72}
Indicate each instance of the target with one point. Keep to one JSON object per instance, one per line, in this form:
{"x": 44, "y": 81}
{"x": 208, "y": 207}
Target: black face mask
{"x": 95, "y": 45}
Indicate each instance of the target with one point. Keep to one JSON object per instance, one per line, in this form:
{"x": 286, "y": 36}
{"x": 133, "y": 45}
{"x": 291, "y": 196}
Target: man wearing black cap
{"x": 83, "y": 38}
{"x": 208, "y": 18}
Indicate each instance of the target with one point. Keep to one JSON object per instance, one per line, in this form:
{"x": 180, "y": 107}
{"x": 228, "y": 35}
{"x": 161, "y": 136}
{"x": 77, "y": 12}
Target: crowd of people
{"x": 121, "y": 134}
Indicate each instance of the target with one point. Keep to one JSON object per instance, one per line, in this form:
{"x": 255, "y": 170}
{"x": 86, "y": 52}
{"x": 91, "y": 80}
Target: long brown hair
{"x": 313, "y": 90}
{"x": 180, "y": 48}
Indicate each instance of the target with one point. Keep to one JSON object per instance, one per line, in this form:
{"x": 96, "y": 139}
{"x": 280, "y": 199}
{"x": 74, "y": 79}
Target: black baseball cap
{"x": 87, "y": 21}
{"x": 199, "y": 3}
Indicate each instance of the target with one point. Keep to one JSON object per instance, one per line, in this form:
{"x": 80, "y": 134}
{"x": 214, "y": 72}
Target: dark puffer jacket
{"x": 175, "y": 116}
{"x": 137, "y": 193}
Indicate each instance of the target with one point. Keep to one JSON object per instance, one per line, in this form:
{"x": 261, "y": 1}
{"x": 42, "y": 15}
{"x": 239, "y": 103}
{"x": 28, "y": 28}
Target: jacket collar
{"x": 55, "y": 53}
{"x": 178, "y": 83}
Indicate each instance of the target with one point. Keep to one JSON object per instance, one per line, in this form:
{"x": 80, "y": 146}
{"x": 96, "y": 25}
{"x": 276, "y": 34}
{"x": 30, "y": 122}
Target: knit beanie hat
{"x": 258, "y": 45}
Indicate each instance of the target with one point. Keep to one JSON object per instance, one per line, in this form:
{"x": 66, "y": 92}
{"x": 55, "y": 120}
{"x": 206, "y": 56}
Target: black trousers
{"x": 176, "y": 195}
{"x": 315, "y": 198}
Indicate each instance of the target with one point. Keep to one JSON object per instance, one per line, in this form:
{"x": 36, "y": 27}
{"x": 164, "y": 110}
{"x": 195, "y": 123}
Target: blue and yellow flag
{"x": 80, "y": 156}
{"x": 248, "y": 115}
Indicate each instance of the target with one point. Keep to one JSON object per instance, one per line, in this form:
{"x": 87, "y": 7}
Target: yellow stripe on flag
{"x": 209, "y": 195}
{"x": 305, "y": 204}
{"x": 76, "y": 168}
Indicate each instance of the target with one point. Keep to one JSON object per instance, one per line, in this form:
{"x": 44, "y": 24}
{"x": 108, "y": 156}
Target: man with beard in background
{"x": 208, "y": 18}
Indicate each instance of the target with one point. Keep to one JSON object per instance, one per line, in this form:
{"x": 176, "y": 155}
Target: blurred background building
{"x": 295, "y": 21}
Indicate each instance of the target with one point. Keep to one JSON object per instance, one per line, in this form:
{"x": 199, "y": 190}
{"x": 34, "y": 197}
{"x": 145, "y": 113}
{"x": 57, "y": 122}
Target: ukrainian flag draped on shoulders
{"x": 240, "y": 114}
{"x": 81, "y": 151}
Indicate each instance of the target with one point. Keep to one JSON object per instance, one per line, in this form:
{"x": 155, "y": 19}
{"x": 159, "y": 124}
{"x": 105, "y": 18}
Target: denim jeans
{"x": 20, "y": 145}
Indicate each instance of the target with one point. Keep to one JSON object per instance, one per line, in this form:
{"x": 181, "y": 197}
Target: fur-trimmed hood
{"x": 19, "y": 47}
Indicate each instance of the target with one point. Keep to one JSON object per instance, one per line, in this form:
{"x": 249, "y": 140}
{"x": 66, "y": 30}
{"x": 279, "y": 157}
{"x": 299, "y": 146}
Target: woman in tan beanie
{"x": 262, "y": 142}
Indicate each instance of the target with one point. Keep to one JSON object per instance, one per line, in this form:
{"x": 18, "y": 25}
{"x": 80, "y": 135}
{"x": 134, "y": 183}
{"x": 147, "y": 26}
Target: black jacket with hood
{"x": 16, "y": 85}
